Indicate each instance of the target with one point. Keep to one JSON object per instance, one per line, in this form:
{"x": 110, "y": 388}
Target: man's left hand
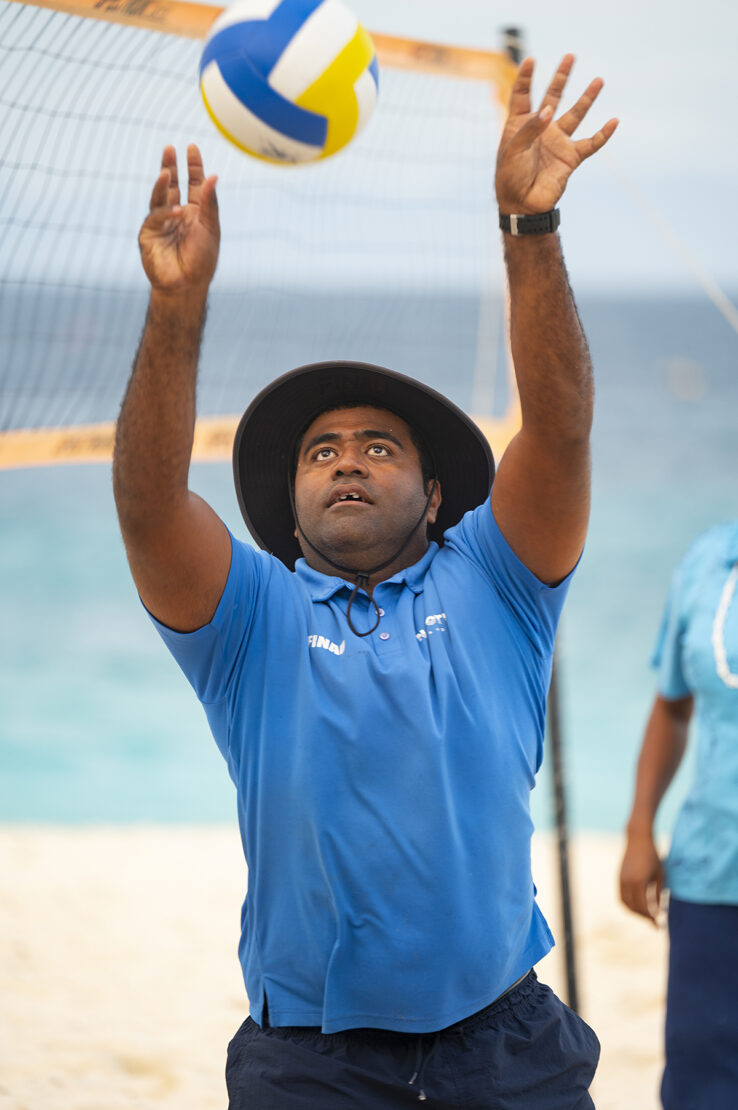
{"x": 537, "y": 153}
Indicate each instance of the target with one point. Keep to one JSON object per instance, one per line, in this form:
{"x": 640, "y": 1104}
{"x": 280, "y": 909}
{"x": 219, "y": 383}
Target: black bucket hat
{"x": 267, "y": 436}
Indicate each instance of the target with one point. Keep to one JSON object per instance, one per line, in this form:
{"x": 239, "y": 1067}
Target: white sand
{"x": 120, "y": 985}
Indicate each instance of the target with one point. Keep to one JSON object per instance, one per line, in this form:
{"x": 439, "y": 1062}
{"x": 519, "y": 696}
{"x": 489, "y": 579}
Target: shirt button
{"x": 381, "y": 612}
{"x": 384, "y": 635}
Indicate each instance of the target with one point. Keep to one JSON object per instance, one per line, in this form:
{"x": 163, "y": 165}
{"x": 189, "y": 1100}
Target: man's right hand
{"x": 178, "y": 549}
{"x": 179, "y": 242}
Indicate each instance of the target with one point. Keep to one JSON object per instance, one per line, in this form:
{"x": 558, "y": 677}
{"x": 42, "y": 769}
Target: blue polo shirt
{"x": 697, "y": 654}
{"x": 383, "y": 783}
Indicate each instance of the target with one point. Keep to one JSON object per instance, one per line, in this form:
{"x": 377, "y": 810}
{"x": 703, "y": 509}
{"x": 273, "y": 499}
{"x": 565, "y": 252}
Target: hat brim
{"x": 263, "y": 449}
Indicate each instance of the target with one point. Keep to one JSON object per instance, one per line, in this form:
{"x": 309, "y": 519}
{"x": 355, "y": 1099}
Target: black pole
{"x": 553, "y": 717}
{"x": 513, "y": 44}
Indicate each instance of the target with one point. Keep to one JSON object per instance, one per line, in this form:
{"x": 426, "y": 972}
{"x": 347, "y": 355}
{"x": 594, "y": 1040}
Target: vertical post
{"x": 513, "y": 44}
{"x": 553, "y": 718}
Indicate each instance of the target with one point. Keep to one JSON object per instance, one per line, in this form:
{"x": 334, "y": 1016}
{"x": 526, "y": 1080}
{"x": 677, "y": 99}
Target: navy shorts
{"x": 526, "y": 1051}
{"x": 702, "y": 1008}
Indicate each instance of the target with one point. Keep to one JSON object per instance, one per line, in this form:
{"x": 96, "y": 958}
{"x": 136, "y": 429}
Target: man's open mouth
{"x": 347, "y": 497}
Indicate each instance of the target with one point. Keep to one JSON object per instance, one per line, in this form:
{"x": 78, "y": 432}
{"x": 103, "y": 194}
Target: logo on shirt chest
{"x": 434, "y": 622}
{"x": 315, "y": 641}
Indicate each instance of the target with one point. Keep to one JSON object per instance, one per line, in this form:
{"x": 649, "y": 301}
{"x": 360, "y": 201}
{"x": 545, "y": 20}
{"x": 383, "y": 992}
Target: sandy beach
{"x": 120, "y": 986}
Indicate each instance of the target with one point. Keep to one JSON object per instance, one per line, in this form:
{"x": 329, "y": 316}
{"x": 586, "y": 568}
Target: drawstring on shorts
{"x": 423, "y": 1051}
{"x": 421, "y": 1062}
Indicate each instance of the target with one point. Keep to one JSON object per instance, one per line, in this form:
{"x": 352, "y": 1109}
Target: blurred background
{"x": 387, "y": 253}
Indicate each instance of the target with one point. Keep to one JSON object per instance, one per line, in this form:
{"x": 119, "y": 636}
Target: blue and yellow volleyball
{"x": 289, "y": 81}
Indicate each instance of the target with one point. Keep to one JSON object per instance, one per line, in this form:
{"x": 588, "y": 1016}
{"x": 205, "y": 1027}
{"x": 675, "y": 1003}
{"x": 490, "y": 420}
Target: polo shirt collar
{"x": 323, "y": 586}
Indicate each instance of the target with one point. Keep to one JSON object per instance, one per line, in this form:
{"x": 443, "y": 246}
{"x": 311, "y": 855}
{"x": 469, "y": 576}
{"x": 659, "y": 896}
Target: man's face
{"x": 359, "y": 489}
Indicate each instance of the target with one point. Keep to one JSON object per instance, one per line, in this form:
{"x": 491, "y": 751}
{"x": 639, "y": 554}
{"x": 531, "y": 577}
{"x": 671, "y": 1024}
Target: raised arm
{"x": 540, "y": 495}
{"x": 664, "y": 744}
{"x": 178, "y": 548}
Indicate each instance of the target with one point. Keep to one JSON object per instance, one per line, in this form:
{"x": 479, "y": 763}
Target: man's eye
{"x": 378, "y": 449}
{"x": 324, "y": 453}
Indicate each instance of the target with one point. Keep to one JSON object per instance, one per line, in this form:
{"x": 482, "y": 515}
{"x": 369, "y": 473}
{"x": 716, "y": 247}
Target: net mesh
{"x": 386, "y": 253}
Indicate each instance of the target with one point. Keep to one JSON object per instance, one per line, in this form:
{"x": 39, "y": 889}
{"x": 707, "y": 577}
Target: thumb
{"x": 162, "y": 220}
{"x": 208, "y": 204}
{"x": 658, "y": 888}
{"x": 531, "y": 130}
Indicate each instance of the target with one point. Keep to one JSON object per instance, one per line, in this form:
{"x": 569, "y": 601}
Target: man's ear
{"x": 435, "y": 501}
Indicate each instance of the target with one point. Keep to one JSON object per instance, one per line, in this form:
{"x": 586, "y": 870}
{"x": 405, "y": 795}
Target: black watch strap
{"x": 539, "y": 224}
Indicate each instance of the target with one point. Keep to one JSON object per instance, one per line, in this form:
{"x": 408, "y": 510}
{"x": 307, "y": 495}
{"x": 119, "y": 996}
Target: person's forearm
{"x": 550, "y": 353}
{"x": 155, "y": 429}
{"x": 664, "y": 744}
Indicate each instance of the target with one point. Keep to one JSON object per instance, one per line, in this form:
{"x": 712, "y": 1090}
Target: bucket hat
{"x": 269, "y": 431}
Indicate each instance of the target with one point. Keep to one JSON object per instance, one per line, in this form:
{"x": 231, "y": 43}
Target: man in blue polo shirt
{"x": 376, "y": 675}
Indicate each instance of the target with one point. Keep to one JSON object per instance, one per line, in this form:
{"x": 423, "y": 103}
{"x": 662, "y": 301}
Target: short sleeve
{"x": 667, "y": 653}
{"x": 209, "y": 655}
{"x": 536, "y": 606}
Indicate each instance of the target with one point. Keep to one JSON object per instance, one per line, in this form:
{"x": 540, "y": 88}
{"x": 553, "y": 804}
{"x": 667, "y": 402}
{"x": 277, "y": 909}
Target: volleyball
{"x": 289, "y": 81}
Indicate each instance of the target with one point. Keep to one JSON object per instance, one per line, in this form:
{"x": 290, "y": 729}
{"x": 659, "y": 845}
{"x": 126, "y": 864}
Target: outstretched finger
{"x": 160, "y": 192}
{"x": 558, "y": 82}
{"x": 571, "y": 119}
{"x": 520, "y": 95}
{"x": 585, "y": 148}
{"x": 169, "y": 162}
{"x": 195, "y": 174}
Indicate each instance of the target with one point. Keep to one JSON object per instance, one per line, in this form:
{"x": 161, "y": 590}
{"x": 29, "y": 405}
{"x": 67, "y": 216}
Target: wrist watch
{"x": 539, "y": 224}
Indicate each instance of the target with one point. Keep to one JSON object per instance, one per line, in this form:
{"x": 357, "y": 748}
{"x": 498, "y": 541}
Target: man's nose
{"x": 350, "y": 461}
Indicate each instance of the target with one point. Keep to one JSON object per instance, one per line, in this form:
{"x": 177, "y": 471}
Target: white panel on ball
{"x": 320, "y": 39}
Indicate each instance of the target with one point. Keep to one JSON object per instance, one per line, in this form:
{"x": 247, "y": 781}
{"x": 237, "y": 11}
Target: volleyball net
{"x": 389, "y": 252}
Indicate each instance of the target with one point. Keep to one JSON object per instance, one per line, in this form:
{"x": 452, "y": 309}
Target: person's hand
{"x": 537, "y": 154}
{"x": 179, "y": 242}
{"x": 642, "y": 877}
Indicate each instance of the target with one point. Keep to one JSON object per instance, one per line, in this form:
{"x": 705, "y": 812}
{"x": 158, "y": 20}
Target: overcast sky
{"x": 671, "y": 74}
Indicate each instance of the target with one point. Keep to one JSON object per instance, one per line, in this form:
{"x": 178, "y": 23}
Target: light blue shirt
{"x": 697, "y": 653}
{"x": 383, "y": 783}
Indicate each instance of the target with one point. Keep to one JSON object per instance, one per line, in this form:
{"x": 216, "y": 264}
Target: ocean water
{"x": 97, "y": 723}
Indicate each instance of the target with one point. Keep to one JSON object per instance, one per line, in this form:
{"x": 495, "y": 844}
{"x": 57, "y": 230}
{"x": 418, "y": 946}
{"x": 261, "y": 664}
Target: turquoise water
{"x": 97, "y": 724}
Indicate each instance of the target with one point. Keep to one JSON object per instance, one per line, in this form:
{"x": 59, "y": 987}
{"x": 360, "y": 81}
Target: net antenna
{"x": 388, "y": 252}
